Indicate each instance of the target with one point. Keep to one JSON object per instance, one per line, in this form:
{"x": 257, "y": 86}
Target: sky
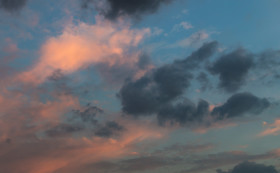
{"x": 130, "y": 86}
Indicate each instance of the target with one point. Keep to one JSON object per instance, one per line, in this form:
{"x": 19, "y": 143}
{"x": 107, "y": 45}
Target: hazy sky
{"x": 144, "y": 86}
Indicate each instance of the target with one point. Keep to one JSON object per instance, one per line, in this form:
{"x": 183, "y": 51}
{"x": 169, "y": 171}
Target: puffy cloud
{"x": 112, "y": 9}
{"x": 82, "y": 45}
{"x": 12, "y": 5}
{"x": 246, "y": 167}
{"x": 240, "y": 104}
{"x": 164, "y": 84}
{"x": 232, "y": 69}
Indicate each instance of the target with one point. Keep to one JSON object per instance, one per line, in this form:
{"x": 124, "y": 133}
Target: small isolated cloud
{"x": 271, "y": 129}
{"x": 183, "y": 25}
{"x": 250, "y": 167}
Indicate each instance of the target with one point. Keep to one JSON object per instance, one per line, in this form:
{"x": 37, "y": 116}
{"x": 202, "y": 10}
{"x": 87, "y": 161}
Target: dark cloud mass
{"x": 232, "y": 69}
{"x": 160, "y": 87}
{"x": 12, "y": 5}
{"x": 131, "y": 8}
{"x": 250, "y": 167}
{"x": 240, "y": 104}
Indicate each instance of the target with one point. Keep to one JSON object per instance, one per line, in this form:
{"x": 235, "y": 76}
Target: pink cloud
{"x": 271, "y": 129}
{"x": 71, "y": 154}
{"x": 82, "y": 45}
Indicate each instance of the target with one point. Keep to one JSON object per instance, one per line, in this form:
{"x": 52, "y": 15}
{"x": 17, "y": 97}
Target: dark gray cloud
{"x": 131, "y": 8}
{"x": 163, "y": 85}
{"x": 232, "y": 69}
{"x": 86, "y": 122}
{"x": 12, "y": 5}
{"x": 109, "y": 129}
{"x": 183, "y": 113}
{"x": 63, "y": 130}
{"x": 250, "y": 167}
{"x": 240, "y": 104}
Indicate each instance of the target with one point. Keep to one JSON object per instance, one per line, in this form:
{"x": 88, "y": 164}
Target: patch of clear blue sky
{"x": 250, "y": 23}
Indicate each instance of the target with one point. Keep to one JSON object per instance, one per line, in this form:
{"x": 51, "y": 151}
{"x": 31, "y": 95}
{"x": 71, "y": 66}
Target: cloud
{"x": 232, "y": 69}
{"x": 221, "y": 159}
{"x": 271, "y": 129}
{"x": 109, "y": 129}
{"x": 82, "y": 45}
{"x": 62, "y": 130}
{"x": 184, "y": 25}
{"x": 156, "y": 89}
{"x": 88, "y": 115}
{"x": 240, "y": 104}
{"x": 247, "y": 167}
{"x": 12, "y": 5}
{"x": 182, "y": 113}
{"x": 113, "y": 9}
{"x": 147, "y": 163}
{"x": 32, "y": 152}
{"x": 193, "y": 40}
{"x": 183, "y": 150}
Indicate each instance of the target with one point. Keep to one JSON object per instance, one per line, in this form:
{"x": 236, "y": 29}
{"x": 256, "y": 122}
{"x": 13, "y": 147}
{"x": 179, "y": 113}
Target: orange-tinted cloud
{"x": 271, "y": 129}
{"x": 49, "y": 155}
{"x": 82, "y": 45}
